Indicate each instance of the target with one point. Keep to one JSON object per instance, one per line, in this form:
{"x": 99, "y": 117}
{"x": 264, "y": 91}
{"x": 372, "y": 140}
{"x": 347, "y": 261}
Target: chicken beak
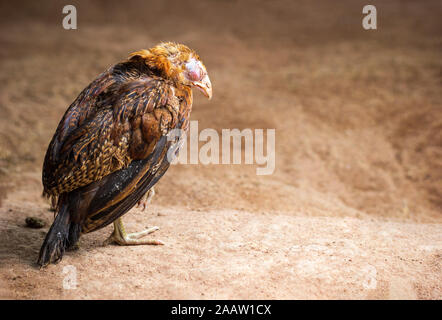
{"x": 205, "y": 86}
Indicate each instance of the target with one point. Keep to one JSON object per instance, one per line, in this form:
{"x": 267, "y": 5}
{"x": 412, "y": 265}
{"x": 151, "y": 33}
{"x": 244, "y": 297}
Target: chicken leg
{"x": 147, "y": 198}
{"x": 122, "y": 238}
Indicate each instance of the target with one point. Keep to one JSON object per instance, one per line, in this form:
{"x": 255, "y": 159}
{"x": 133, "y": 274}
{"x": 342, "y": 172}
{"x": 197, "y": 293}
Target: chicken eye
{"x": 194, "y": 75}
{"x": 193, "y": 71}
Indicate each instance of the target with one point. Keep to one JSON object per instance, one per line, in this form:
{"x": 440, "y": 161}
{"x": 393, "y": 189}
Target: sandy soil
{"x": 353, "y": 209}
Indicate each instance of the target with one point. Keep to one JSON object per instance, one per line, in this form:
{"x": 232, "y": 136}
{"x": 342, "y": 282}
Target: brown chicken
{"x": 113, "y": 144}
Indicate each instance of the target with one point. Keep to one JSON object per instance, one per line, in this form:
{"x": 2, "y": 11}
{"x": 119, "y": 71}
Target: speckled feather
{"x": 112, "y": 145}
{"x": 115, "y": 120}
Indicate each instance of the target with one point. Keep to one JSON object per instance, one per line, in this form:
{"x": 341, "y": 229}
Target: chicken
{"x": 112, "y": 144}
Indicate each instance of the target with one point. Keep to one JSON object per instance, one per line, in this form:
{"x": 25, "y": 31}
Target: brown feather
{"x": 110, "y": 147}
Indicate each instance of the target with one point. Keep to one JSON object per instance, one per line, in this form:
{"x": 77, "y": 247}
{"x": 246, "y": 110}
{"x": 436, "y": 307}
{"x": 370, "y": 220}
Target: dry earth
{"x": 354, "y": 207}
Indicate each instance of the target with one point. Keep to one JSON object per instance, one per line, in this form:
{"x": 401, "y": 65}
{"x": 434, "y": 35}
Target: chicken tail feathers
{"x": 62, "y": 235}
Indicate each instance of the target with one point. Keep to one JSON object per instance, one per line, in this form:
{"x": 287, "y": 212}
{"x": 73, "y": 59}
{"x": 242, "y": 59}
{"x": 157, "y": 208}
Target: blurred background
{"x": 358, "y": 124}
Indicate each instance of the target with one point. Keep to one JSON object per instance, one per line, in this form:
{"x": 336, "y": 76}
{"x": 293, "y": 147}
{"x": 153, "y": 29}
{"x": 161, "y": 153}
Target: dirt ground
{"x": 354, "y": 207}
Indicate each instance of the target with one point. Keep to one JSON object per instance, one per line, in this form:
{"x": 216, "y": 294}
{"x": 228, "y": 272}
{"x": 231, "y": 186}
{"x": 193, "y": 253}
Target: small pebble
{"x": 36, "y": 223}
